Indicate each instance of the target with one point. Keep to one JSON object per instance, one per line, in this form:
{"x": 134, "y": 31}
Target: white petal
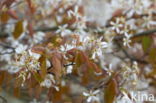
{"x": 35, "y": 55}
{"x": 94, "y": 55}
{"x": 20, "y": 49}
{"x": 112, "y": 23}
{"x": 117, "y": 30}
{"x": 94, "y": 98}
{"x": 89, "y": 99}
{"x": 69, "y": 69}
{"x": 65, "y": 25}
{"x": 85, "y": 94}
{"x": 76, "y": 9}
{"x": 104, "y": 44}
{"x": 96, "y": 92}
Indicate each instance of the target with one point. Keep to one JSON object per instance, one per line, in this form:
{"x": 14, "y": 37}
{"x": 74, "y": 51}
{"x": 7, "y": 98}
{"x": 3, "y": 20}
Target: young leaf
{"x": 56, "y": 61}
{"x": 7, "y": 2}
{"x": 37, "y": 77}
{"x": 31, "y": 6}
{"x": 4, "y": 17}
{"x": 43, "y": 66}
{"x": 18, "y": 29}
{"x": 2, "y": 77}
{"x": 146, "y": 43}
{"x": 38, "y": 49}
{"x": 30, "y": 29}
{"x": 152, "y": 55}
{"x": 17, "y": 92}
{"x": 12, "y": 14}
{"x": 110, "y": 92}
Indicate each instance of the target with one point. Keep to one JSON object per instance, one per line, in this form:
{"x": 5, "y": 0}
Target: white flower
{"x": 48, "y": 64}
{"x": 99, "y": 45}
{"x": 138, "y": 7}
{"x": 66, "y": 47}
{"x": 91, "y": 96}
{"x": 38, "y": 37}
{"x": 109, "y": 47}
{"x": 63, "y": 30}
{"x": 116, "y": 25}
{"x": 126, "y": 40}
{"x": 23, "y": 75}
{"x": 131, "y": 23}
{"x": 148, "y": 22}
{"x": 34, "y": 55}
{"x": 13, "y": 69}
{"x": 124, "y": 99}
{"x": 34, "y": 101}
{"x": 69, "y": 69}
{"x": 125, "y": 30}
{"x": 135, "y": 67}
{"x": 74, "y": 13}
{"x": 97, "y": 52}
{"x": 47, "y": 2}
{"x": 20, "y": 49}
{"x": 109, "y": 69}
{"x": 48, "y": 81}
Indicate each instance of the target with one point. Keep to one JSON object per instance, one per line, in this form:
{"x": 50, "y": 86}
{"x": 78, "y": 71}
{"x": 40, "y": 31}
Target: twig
{"x": 7, "y": 53}
{"x": 129, "y": 56}
{"x": 3, "y": 99}
{"x": 52, "y": 29}
{"x": 6, "y": 46}
{"x": 148, "y": 32}
{"x": 66, "y": 65}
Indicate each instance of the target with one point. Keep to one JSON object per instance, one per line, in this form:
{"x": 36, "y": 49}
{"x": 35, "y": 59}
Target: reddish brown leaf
{"x": 81, "y": 58}
{"x": 43, "y": 68}
{"x": 57, "y": 62}
{"x": 72, "y": 52}
{"x": 118, "y": 12}
{"x": 95, "y": 67}
{"x": 30, "y": 29}
{"x": 57, "y": 66}
{"x": 4, "y": 17}
{"x": 38, "y": 49}
{"x": 110, "y": 92}
{"x": 7, "y": 2}
{"x": 31, "y": 6}
{"x": 12, "y": 14}
{"x": 17, "y": 92}
{"x": 37, "y": 77}
{"x": 2, "y": 77}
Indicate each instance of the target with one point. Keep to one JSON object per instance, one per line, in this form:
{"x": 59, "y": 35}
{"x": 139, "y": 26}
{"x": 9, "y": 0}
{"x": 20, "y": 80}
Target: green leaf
{"x": 146, "y": 43}
{"x": 18, "y": 29}
{"x": 110, "y": 92}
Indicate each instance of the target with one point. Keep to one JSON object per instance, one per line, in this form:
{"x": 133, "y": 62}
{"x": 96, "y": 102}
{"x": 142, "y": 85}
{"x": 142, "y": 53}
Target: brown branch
{"x": 49, "y": 29}
{"x": 7, "y": 53}
{"x": 148, "y": 32}
{"x": 52, "y": 29}
{"x": 3, "y": 99}
{"x": 66, "y": 65}
{"x": 7, "y": 47}
{"x": 129, "y": 56}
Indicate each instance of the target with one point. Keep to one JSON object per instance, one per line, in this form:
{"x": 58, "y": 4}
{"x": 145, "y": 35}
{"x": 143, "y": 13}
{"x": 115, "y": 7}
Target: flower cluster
{"x": 58, "y": 48}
